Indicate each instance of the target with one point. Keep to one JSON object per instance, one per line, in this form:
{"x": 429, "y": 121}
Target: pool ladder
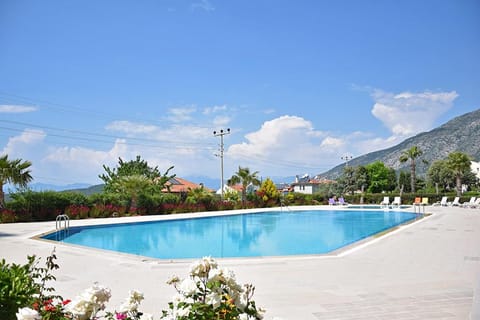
{"x": 283, "y": 205}
{"x": 62, "y": 225}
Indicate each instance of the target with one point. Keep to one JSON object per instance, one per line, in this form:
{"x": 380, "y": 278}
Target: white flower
{"x": 202, "y": 267}
{"x": 188, "y": 286}
{"x": 146, "y": 316}
{"x": 27, "y": 314}
{"x": 89, "y": 302}
{"x": 177, "y": 298}
{"x": 213, "y": 299}
{"x": 132, "y": 303}
{"x": 173, "y": 280}
{"x": 244, "y": 316}
{"x": 183, "y": 312}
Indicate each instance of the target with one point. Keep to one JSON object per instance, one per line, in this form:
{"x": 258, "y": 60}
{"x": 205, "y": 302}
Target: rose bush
{"x": 208, "y": 293}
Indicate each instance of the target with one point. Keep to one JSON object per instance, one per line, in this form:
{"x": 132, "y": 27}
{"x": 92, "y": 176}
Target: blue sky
{"x": 299, "y": 83}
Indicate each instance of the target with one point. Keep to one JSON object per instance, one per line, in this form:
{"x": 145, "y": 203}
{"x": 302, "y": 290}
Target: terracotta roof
{"x": 179, "y": 185}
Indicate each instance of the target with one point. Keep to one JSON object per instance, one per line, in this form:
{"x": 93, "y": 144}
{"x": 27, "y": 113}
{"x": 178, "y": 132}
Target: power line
{"x": 119, "y": 141}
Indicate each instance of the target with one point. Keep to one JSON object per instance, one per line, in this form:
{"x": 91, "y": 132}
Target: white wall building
{"x": 476, "y": 168}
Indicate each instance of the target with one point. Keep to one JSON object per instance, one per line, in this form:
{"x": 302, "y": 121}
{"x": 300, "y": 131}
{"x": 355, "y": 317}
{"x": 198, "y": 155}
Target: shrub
{"x": 210, "y": 292}
{"x": 17, "y": 287}
{"x": 76, "y": 211}
{"x": 7, "y": 216}
{"x": 26, "y": 285}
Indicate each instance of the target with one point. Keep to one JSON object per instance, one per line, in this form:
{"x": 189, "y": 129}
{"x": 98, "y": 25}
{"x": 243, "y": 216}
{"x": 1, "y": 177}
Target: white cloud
{"x": 221, "y": 121}
{"x": 214, "y": 109}
{"x": 131, "y": 127}
{"x": 8, "y": 108}
{"x": 203, "y": 5}
{"x": 78, "y": 164}
{"x": 269, "y": 111}
{"x": 24, "y": 143}
{"x": 332, "y": 143}
{"x": 286, "y": 145}
{"x": 407, "y": 113}
{"x": 181, "y": 114}
{"x": 273, "y": 135}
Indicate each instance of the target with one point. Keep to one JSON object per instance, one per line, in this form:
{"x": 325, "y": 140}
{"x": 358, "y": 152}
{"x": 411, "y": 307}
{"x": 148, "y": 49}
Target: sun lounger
{"x": 443, "y": 202}
{"x": 475, "y": 204}
{"x": 424, "y": 202}
{"x": 385, "y": 201}
{"x": 455, "y": 202}
{"x": 331, "y": 202}
{"x": 418, "y": 201}
{"x": 469, "y": 203}
{"x": 397, "y": 201}
{"x": 341, "y": 201}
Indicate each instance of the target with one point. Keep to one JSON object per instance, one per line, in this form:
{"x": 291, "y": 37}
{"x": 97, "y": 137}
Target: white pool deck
{"x": 429, "y": 269}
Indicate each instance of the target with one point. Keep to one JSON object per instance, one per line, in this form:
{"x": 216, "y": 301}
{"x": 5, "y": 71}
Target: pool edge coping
{"x": 337, "y": 253}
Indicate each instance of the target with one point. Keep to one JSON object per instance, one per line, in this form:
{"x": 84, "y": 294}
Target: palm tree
{"x": 132, "y": 186}
{"x": 459, "y": 163}
{"x": 15, "y": 172}
{"x": 411, "y": 154}
{"x": 246, "y": 178}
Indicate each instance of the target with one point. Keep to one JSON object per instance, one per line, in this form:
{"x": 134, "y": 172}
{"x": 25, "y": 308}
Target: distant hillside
{"x": 88, "y": 191}
{"x": 459, "y": 134}
{"x": 38, "y": 186}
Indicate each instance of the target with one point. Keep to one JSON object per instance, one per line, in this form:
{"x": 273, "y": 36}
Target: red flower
{"x": 65, "y": 302}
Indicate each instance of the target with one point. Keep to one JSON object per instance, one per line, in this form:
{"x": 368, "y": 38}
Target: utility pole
{"x": 346, "y": 158}
{"x": 221, "y": 134}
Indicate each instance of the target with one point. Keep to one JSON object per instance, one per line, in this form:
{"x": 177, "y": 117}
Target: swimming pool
{"x": 241, "y": 235}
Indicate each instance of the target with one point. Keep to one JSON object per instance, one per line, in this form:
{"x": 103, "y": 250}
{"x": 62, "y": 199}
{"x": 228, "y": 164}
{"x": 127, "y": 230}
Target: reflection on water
{"x": 247, "y": 235}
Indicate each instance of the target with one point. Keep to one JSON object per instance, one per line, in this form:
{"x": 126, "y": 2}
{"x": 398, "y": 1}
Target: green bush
{"x": 17, "y": 287}
{"x": 42, "y": 206}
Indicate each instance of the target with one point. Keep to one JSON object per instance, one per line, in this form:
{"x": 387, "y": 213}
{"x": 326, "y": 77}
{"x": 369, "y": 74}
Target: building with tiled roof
{"x": 179, "y": 185}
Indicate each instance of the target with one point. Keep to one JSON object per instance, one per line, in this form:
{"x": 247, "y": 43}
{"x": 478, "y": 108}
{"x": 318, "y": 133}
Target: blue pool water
{"x": 244, "y": 235}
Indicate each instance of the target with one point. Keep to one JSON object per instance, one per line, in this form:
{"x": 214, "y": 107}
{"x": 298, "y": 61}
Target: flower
{"x": 244, "y": 316}
{"x": 188, "y": 286}
{"x": 202, "y": 267}
{"x": 132, "y": 303}
{"x": 27, "y": 314}
{"x": 146, "y": 316}
{"x": 213, "y": 299}
{"x": 212, "y": 291}
{"x": 120, "y": 316}
{"x": 173, "y": 280}
{"x": 89, "y": 302}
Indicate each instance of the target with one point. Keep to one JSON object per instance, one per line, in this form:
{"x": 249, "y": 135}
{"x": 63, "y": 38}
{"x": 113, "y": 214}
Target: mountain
{"x": 211, "y": 183}
{"x": 459, "y": 134}
{"x": 89, "y": 190}
{"x": 51, "y": 187}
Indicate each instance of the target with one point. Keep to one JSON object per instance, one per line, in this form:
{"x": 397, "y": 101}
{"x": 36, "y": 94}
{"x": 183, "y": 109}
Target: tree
{"x": 404, "y": 181}
{"x": 381, "y": 178}
{"x": 269, "y": 191}
{"x": 137, "y": 167}
{"x": 199, "y": 195}
{"x": 347, "y": 182}
{"x": 459, "y": 163}
{"x": 245, "y": 178}
{"x": 411, "y": 154}
{"x": 440, "y": 175}
{"x": 15, "y": 172}
{"x": 134, "y": 185}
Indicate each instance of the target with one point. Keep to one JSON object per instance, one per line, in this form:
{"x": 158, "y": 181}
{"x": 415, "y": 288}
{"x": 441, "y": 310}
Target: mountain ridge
{"x": 461, "y": 133}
